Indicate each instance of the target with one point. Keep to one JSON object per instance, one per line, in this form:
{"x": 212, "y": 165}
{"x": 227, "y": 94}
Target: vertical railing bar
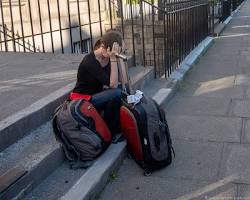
{"x": 198, "y": 25}
{"x": 5, "y": 33}
{"x": 132, "y": 26}
{"x": 196, "y": 31}
{"x": 144, "y": 8}
{"x": 180, "y": 37}
{"x": 203, "y": 12}
{"x": 208, "y": 31}
{"x": 60, "y": 25}
{"x": 90, "y": 27}
{"x": 100, "y": 16}
{"x": 41, "y": 24}
{"x": 187, "y": 30}
{"x": 31, "y": 26}
{"x": 1, "y": 41}
{"x": 50, "y": 27}
{"x": 205, "y": 22}
{"x": 192, "y": 30}
{"x": 80, "y": 25}
{"x": 201, "y": 24}
{"x": 185, "y": 33}
{"x": 195, "y": 27}
{"x": 213, "y": 17}
{"x": 3, "y": 26}
{"x": 174, "y": 34}
{"x": 168, "y": 44}
{"x": 70, "y": 29}
{"x": 12, "y": 27}
{"x": 153, "y": 22}
{"x": 172, "y": 39}
{"x": 110, "y": 15}
{"x": 165, "y": 45}
{"x": 21, "y": 21}
{"x": 18, "y": 39}
{"x": 142, "y": 25}
{"x": 122, "y": 22}
{"x": 175, "y": 37}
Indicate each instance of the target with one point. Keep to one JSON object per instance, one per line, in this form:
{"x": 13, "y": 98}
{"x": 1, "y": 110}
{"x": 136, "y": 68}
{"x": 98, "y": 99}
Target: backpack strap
{"x": 163, "y": 122}
{"x": 162, "y": 113}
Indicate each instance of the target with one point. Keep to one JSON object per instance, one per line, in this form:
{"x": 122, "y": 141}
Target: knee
{"x": 116, "y": 94}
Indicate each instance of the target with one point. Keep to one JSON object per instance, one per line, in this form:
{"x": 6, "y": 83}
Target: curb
{"x": 165, "y": 94}
{"x": 97, "y": 175}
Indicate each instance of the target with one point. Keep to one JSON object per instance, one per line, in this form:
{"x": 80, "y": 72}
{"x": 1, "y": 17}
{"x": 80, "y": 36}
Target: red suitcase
{"x": 145, "y": 128}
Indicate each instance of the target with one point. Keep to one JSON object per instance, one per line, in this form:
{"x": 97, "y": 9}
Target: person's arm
{"x": 113, "y": 65}
{"x": 122, "y": 75}
{"x": 113, "y": 73}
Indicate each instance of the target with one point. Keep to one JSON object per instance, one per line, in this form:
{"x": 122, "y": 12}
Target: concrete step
{"x": 38, "y": 154}
{"x": 16, "y": 126}
{"x": 62, "y": 183}
{"x": 140, "y": 76}
{"x": 29, "y": 157}
{"x": 57, "y": 184}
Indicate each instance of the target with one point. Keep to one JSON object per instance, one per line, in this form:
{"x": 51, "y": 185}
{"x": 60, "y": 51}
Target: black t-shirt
{"x": 91, "y": 76}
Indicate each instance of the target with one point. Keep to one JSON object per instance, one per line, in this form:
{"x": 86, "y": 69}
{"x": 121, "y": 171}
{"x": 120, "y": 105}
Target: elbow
{"x": 113, "y": 85}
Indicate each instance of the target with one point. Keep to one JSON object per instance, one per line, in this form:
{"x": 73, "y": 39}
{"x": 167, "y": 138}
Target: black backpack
{"x": 81, "y": 131}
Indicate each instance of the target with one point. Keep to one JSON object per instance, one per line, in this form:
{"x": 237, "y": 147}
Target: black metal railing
{"x": 50, "y": 25}
{"x": 158, "y": 33}
{"x": 164, "y": 36}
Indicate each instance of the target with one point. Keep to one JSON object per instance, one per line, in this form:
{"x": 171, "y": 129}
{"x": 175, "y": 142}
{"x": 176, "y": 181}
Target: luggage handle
{"x": 123, "y": 70}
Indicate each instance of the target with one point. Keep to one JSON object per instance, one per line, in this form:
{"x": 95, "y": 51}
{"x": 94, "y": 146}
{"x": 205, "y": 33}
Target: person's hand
{"x": 116, "y": 49}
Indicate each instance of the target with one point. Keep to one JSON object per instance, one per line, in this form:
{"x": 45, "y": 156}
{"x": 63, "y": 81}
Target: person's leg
{"x": 109, "y": 101}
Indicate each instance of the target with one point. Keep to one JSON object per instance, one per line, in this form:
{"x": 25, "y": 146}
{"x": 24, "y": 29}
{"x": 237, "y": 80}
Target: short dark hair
{"x": 97, "y": 44}
{"x": 110, "y": 37}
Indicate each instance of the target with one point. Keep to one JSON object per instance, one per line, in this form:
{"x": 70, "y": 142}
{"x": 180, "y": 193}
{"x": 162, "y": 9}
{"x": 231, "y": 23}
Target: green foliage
{"x": 112, "y": 176}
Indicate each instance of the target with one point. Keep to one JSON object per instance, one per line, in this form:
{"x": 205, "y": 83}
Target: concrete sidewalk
{"x": 209, "y": 120}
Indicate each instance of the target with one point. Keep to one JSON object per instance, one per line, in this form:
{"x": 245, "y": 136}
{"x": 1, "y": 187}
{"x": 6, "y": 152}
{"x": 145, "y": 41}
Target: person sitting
{"x": 97, "y": 79}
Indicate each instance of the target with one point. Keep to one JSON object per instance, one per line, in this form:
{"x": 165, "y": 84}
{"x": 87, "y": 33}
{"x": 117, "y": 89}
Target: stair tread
{"x": 154, "y": 85}
{"x": 30, "y": 150}
{"x": 56, "y": 184}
